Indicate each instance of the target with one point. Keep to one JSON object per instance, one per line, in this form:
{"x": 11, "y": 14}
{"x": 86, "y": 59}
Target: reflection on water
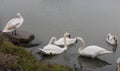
{"x": 90, "y": 19}
{"x": 90, "y": 63}
{"x": 114, "y": 48}
{"x": 68, "y": 58}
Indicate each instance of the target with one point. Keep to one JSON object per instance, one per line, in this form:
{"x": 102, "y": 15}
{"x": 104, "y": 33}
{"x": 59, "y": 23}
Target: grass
{"x": 16, "y": 58}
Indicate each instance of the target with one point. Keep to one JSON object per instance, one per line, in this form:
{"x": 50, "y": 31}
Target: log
{"x": 20, "y": 37}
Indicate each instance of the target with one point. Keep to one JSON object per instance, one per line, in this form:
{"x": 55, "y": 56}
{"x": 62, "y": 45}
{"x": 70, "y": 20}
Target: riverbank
{"x": 15, "y": 58}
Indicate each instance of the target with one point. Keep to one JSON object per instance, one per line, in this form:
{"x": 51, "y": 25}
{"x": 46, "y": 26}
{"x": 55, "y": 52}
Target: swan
{"x": 111, "y": 39}
{"x": 118, "y": 64}
{"x": 69, "y": 40}
{"x": 51, "y": 49}
{"x": 14, "y": 24}
{"x": 92, "y": 50}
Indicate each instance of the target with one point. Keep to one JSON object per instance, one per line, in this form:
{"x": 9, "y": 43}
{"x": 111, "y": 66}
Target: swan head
{"x": 18, "y": 15}
{"x": 52, "y": 40}
{"x": 112, "y": 39}
{"x": 67, "y": 35}
{"x": 115, "y": 40}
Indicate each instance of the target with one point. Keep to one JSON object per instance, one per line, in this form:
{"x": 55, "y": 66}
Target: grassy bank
{"x": 18, "y": 59}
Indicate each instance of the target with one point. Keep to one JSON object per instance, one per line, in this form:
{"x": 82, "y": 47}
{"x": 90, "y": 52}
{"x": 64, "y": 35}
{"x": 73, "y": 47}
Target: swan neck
{"x": 82, "y": 43}
{"x": 20, "y": 16}
{"x": 52, "y": 40}
{"x": 65, "y": 43}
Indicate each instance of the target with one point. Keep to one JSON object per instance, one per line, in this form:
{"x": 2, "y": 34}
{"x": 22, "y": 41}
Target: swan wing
{"x": 11, "y": 21}
{"x": 20, "y": 21}
{"x": 52, "y": 47}
{"x": 48, "y": 52}
{"x": 11, "y": 25}
{"x": 112, "y": 40}
{"x": 71, "y": 41}
{"x": 61, "y": 41}
{"x": 8, "y": 26}
{"x": 94, "y": 51}
{"x": 16, "y": 23}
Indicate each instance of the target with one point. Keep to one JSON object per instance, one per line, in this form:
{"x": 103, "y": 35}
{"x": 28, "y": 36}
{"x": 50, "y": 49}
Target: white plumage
{"x": 54, "y": 49}
{"x": 14, "y": 23}
{"x": 111, "y": 39}
{"x": 92, "y": 50}
{"x": 69, "y": 40}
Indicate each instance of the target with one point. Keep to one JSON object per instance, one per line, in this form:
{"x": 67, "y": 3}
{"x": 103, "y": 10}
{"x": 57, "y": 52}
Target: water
{"x": 90, "y": 19}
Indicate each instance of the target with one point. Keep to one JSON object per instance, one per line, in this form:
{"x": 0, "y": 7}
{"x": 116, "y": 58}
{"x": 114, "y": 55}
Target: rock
{"x": 20, "y": 37}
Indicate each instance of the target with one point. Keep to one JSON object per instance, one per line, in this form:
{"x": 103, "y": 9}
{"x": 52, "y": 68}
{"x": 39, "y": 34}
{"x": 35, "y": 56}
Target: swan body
{"x": 92, "y": 50}
{"x": 14, "y": 23}
{"x": 118, "y": 64}
{"x": 111, "y": 39}
{"x": 54, "y": 49}
{"x": 69, "y": 41}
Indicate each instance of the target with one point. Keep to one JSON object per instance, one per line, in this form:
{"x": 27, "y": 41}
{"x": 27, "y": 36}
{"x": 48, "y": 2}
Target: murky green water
{"x": 89, "y": 19}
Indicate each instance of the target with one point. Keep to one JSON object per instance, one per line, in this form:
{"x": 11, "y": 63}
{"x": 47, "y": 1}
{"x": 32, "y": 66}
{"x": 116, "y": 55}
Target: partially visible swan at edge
{"x": 54, "y": 49}
{"x": 14, "y": 23}
{"x": 118, "y": 64}
{"x": 69, "y": 40}
{"x": 92, "y": 50}
{"x": 111, "y": 39}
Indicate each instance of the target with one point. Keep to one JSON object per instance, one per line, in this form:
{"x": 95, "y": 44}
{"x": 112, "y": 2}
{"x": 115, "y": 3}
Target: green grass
{"x": 26, "y": 60}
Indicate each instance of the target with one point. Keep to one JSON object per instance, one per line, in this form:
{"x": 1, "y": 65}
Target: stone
{"x": 20, "y": 37}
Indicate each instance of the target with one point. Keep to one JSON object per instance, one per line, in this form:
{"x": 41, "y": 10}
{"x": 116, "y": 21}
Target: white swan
{"x": 14, "y": 23}
{"x": 69, "y": 40}
{"x": 118, "y": 64}
{"x": 91, "y": 51}
{"x": 53, "y": 49}
{"x": 111, "y": 39}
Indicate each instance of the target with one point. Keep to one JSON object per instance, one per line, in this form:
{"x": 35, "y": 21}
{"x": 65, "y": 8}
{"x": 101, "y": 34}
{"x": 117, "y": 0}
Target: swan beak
{"x": 69, "y": 36}
{"x": 76, "y": 41}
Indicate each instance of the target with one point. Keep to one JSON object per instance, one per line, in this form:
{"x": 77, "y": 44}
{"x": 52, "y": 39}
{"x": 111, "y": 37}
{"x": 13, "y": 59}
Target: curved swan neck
{"x": 65, "y": 43}
{"x": 19, "y": 16}
{"x": 82, "y": 43}
{"x": 52, "y": 40}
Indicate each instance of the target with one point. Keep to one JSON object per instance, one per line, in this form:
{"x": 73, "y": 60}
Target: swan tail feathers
{"x": 42, "y": 50}
{"x": 106, "y": 52}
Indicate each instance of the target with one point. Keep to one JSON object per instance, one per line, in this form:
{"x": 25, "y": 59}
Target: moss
{"x": 26, "y": 61}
